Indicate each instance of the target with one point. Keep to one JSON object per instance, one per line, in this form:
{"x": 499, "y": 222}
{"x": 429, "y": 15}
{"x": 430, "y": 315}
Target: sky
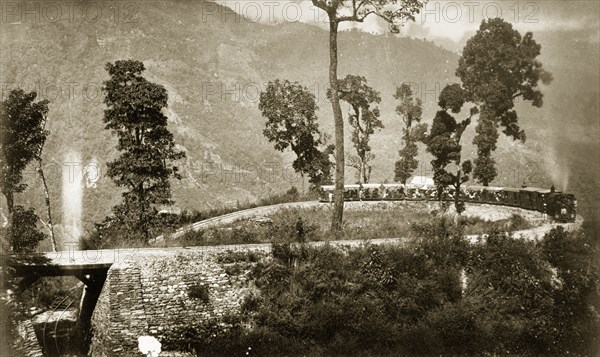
{"x": 448, "y": 23}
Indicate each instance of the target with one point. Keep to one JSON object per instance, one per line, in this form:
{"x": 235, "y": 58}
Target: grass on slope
{"x": 377, "y": 221}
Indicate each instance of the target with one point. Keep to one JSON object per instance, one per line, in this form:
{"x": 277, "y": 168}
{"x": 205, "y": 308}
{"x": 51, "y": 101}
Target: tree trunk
{"x": 338, "y": 203}
{"x": 10, "y": 207}
{"x": 457, "y": 193}
{"x": 143, "y": 223}
{"x": 457, "y": 199}
{"x": 51, "y": 226}
{"x": 10, "y": 203}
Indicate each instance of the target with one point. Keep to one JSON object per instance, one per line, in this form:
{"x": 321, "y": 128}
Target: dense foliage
{"x": 437, "y": 296}
{"x": 147, "y": 148}
{"x": 409, "y": 110}
{"x": 290, "y": 110}
{"x": 363, "y": 118}
{"x": 22, "y": 135}
{"x": 23, "y": 234}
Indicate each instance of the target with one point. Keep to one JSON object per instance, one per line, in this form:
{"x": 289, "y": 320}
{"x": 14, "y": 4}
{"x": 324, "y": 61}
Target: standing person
{"x": 300, "y": 230}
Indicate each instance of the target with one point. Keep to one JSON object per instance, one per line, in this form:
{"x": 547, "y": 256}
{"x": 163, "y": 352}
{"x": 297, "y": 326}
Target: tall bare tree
{"x": 393, "y": 12}
{"x": 46, "y": 192}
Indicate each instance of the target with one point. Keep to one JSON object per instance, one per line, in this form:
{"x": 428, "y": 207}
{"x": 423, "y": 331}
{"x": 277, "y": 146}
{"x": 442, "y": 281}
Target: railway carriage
{"x": 493, "y": 194}
{"x": 394, "y": 192}
{"x": 475, "y": 193}
{"x": 559, "y": 206}
{"x": 532, "y": 198}
{"x": 371, "y": 192}
{"x": 352, "y": 193}
{"x": 510, "y": 197}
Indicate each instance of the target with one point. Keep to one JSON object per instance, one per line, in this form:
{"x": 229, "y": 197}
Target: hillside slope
{"x": 214, "y": 66}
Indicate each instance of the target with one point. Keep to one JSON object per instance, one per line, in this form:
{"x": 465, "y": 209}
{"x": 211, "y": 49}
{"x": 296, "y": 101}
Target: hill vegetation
{"x": 214, "y": 67}
{"x": 439, "y": 296}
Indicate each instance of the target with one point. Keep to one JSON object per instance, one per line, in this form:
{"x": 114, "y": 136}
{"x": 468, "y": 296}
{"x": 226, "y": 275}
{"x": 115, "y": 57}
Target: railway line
{"x": 236, "y": 216}
{"x": 473, "y": 209}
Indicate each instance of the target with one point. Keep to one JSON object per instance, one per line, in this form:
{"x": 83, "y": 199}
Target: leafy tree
{"x": 574, "y": 256}
{"x": 147, "y": 148}
{"x": 23, "y": 235}
{"x": 363, "y": 118}
{"x": 497, "y": 66}
{"x": 290, "y": 110}
{"x": 392, "y": 12}
{"x": 443, "y": 142}
{"x": 410, "y": 110}
{"x": 485, "y": 140}
{"x": 22, "y": 137}
{"x": 22, "y": 134}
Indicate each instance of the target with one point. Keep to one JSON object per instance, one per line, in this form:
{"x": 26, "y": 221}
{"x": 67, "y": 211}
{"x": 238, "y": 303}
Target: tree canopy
{"x": 409, "y": 110}
{"x": 497, "y": 67}
{"x": 290, "y": 109}
{"x": 146, "y": 145}
{"x": 21, "y": 135}
{"x": 363, "y": 118}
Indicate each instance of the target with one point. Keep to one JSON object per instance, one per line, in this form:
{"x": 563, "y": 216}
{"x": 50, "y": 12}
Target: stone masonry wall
{"x": 26, "y": 342}
{"x": 119, "y": 317}
{"x": 149, "y": 295}
{"x": 101, "y": 342}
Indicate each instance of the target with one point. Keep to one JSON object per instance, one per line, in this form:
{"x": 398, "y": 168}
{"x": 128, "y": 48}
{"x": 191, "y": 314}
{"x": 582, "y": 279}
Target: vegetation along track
{"x": 491, "y": 212}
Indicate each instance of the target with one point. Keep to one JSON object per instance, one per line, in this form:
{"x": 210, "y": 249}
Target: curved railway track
{"x": 65, "y": 305}
{"x": 267, "y": 210}
{"x": 236, "y": 216}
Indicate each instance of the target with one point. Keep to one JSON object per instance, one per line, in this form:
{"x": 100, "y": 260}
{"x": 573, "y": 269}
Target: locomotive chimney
{"x": 552, "y": 188}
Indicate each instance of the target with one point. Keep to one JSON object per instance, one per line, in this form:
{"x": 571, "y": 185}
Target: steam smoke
{"x": 557, "y": 169}
{"x": 72, "y": 197}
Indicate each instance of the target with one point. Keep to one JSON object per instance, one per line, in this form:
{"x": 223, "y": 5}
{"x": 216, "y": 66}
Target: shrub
{"x": 231, "y": 256}
{"x": 23, "y": 234}
{"x": 395, "y": 300}
{"x": 517, "y": 222}
{"x": 200, "y": 292}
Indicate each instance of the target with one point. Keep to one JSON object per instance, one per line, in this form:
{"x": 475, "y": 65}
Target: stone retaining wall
{"x": 149, "y": 296}
{"x": 26, "y": 342}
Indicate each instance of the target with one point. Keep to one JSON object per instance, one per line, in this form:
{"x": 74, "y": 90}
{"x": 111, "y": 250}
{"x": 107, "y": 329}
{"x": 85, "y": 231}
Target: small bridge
{"x": 91, "y": 272}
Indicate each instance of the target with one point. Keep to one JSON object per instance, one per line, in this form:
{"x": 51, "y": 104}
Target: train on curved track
{"x": 559, "y": 206}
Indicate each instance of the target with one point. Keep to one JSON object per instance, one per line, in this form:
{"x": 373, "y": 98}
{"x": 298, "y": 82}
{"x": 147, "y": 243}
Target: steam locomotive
{"x": 559, "y": 206}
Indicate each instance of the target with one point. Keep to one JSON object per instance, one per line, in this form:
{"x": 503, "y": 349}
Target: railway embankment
{"x": 162, "y": 291}
{"x": 539, "y": 222}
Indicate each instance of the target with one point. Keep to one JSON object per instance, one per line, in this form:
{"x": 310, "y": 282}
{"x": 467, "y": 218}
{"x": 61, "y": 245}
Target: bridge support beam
{"x": 91, "y": 293}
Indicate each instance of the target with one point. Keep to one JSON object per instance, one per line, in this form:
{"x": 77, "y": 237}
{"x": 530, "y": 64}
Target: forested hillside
{"x": 214, "y": 66}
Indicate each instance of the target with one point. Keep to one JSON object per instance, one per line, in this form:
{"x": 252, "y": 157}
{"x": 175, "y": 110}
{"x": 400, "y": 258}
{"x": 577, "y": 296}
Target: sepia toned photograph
{"x": 366, "y": 178}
